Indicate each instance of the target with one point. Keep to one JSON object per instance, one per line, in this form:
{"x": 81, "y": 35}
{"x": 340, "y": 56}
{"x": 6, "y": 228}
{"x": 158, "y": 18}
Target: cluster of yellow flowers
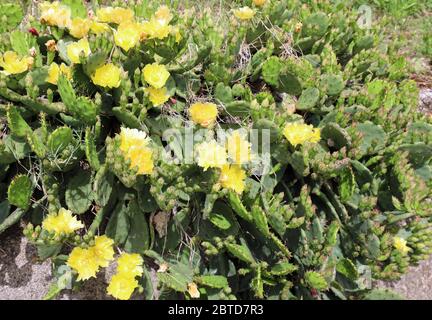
{"x": 13, "y": 64}
{"x": 401, "y": 245}
{"x": 124, "y": 283}
{"x": 228, "y": 158}
{"x": 129, "y": 32}
{"x": 87, "y": 261}
{"x": 62, "y": 223}
{"x": 299, "y": 133}
{"x": 134, "y": 145}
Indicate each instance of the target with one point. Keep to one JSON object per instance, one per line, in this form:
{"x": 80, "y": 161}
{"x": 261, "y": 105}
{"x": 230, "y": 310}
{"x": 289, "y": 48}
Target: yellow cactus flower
{"x": 239, "y": 149}
{"x": 193, "y": 290}
{"x": 75, "y": 49}
{"x": 175, "y": 31}
{"x": 84, "y": 262}
{"x": 13, "y": 64}
{"x": 401, "y": 245}
{"x": 141, "y": 159}
{"x": 103, "y": 250}
{"x": 79, "y": 28}
{"x": 244, "y": 13}
{"x": 128, "y": 34}
{"x": 163, "y": 14}
{"x": 55, "y": 14}
{"x": 122, "y": 286}
{"x": 130, "y": 264}
{"x": 259, "y": 3}
{"x": 55, "y": 70}
{"x": 155, "y": 75}
{"x": 204, "y": 114}
{"x": 233, "y": 177}
{"x": 299, "y": 133}
{"x": 157, "y": 96}
{"x": 211, "y": 155}
{"x": 156, "y": 29}
{"x": 62, "y": 222}
{"x": 107, "y": 76}
{"x": 98, "y": 28}
{"x": 134, "y": 145}
{"x": 132, "y": 138}
{"x": 114, "y": 15}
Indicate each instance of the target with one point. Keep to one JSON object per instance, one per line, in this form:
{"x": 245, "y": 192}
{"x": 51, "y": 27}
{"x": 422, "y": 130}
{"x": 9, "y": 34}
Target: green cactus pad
{"x": 20, "y": 191}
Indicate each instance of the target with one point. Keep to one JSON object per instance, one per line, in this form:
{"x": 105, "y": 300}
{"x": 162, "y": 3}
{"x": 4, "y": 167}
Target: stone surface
{"x": 23, "y": 277}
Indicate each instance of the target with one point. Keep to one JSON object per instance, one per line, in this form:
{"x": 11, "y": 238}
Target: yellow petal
{"x": 163, "y": 14}
{"x": 107, "y": 76}
{"x": 244, "y": 13}
{"x": 54, "y": 72}
{"x": 62, "y": 222}
{"x": 128, "y": 34}
{"x": 157, "y": 96}
{"x": 98, "y": 28}
{"x": 155, "y": 75}
{"x": 115, "y": 15}
{"x": 401, "y": 245}
{"x": 211, "y": 155}
{"x": 84, "y": 262}
{"x": 300, "y": 133}
{"x": 204, "y": 114}
{"x": 239, "y": 149}
{"x": 55, "y": 14}
{"x": 122, "y": 286}
{"x": 233, "y": 177}
{"x": 130, "y": 264}
{"x": 75, "y": 49}
{"x": 79, "y": 28}
{"x": 103, "y": 250}
{"x": 12, "y": 64}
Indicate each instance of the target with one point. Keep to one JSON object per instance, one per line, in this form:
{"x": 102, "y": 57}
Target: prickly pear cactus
{"x": 275, "y": 155}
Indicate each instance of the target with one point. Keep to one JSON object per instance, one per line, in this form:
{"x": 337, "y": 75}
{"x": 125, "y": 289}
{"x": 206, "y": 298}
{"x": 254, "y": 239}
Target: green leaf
{"x": 19, "y": 42}
{"x": 13, "y": 218}
{"x": 20, "y": 191}
{"x": 138, "y": 239}
{"x": 238, "y": 207}
{"x": 103, "y": 186}
{"x": 47, "y": 251}
{"x": 316, "y": 280}
{"x": 18, "y": 147}
{"x": 78, "y": 193}
{"x": 308, "y": 99}
{"x": 213, "y": 281}
{"x": 4, "y": 210}
{"x": 241, "y": 252}
{"x": 172, "y": 282}
{"x": 283, "y": 268}
{"x": 119, "y": 225}
{"x": 260, "y": 220}
{"x": 59, "y": 139}
{"x": 347, "y": 268}
{"x": 16, "y": 122}
{"x": 90, "y": 150}
{"x": 222, "y": 217}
